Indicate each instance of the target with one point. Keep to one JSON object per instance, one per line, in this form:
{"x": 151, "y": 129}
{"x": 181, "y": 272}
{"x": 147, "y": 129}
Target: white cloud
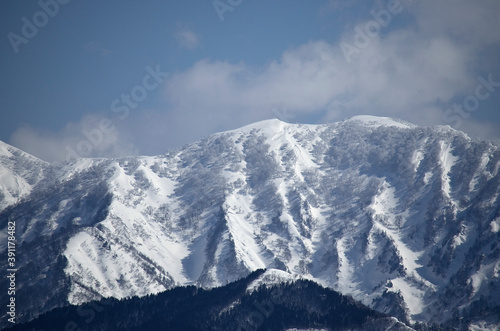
{"x": 404, "y": 72}
{"x": 472, "y": 22}
{"x": 387, "y": 78}
{"x": 414, "y": 72}
{"x": 92, "y": 136}
{"x": 338, "y": 5}
{"x": 187, "y": 38}
{"x": 94, "y": 47}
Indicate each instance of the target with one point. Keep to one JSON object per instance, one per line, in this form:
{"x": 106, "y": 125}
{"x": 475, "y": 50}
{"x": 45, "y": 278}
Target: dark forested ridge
{"x": 298, "y": 304}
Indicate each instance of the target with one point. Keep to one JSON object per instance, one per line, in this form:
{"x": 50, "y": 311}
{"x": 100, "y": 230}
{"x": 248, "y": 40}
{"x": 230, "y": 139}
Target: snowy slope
{"x": 401, "y": 217}
{"x": 19, "y": 173}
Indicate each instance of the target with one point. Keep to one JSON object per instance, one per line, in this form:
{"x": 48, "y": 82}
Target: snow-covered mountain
{"x": 19, "y": 172}
{"x": 406, "y": 219}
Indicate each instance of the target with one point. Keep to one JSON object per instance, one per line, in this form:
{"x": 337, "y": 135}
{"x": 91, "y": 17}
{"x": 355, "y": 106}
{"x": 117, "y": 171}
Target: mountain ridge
{"x": 277, "y": 306}
{"x": 16, "y": 173}
{"x": 398, "y": 216}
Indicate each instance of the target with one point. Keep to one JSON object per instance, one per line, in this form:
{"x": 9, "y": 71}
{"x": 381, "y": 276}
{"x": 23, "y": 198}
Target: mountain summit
{"x": 405, "y": 219}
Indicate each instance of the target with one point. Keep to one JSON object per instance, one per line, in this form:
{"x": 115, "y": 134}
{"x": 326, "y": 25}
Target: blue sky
{"x": 114, "y": 78}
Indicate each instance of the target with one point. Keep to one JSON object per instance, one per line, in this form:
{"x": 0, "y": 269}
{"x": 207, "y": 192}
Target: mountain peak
{"x": 10, "y": 151}
{"x": 271, "y": 127}
{"x": 402, "y": 218}
{"x": 376, "y": 121}
{"x": 274, "y": 125}
{"x": 19, "y": 172}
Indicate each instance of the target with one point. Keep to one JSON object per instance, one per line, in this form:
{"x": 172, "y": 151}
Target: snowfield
{"x": 403, "y": 218}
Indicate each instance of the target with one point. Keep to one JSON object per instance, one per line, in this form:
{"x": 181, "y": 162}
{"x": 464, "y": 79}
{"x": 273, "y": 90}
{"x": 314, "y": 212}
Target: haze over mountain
{"x": 405, "y": 219}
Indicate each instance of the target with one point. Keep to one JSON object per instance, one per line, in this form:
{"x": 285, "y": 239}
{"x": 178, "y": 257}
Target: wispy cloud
{"x": 413, "y": 72}
{"x": 405, "y": 72}
{"x": 83, "y": 137}
{"x": 389, "y": 78}
{"x": 338, "y": 5}
{"x": 94, "y": 47}
{"x": 187, "y": 38}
